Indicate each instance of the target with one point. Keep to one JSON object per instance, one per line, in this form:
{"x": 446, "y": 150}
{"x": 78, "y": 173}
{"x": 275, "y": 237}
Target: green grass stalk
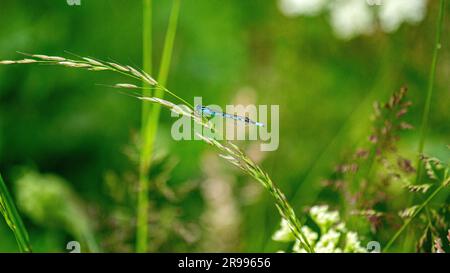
{"x": 142, "y": 205}
{"x": 13, "y": 219}
{"x": 150, "y": 116}
{"x": 229, "y": 151}
{"x": 416, "y": 212}
{"x": 427, "y": 106}
{"x": 432, "y": 76}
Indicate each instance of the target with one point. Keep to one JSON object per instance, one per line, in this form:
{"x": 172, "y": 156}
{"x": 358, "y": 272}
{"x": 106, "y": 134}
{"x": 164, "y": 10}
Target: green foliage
{"x": 71, "y": 125}
{"x": 49, "y": 201}
{"x": 150, "y": 114}
{"x": 434, "y": 225}
{"x": 13, "y": 219}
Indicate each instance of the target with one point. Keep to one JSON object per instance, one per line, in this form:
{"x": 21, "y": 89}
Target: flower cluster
{"x": 350, "y": 18}
{"x": 332, "y": 237}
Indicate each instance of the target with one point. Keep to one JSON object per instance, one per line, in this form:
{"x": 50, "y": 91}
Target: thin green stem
{"x": 142, "y": 206}
{"x": 416, "y": 212}
{"x": 13, "y": 219}
{"x": 432, "y": 76}
{"x": 168, "y": 46}
{"x": 147, "y": 57}
{"x": 150, "y": 127}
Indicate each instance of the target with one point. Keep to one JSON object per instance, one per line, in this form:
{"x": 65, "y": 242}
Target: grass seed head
{"x": 49, "y": 58}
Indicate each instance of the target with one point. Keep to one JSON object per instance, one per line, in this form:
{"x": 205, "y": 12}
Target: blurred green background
{"x": 59, "y": 121}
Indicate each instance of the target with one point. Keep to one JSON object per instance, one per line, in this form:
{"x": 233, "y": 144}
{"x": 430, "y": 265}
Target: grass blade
{"x": 150, "y": 119}
{"x": 12, "y": 217}
{"x": 230, "y": 151}
{"x": 142, "y": 205}
{"x": 417, "y": 212}
{"x": 427, "y": 107}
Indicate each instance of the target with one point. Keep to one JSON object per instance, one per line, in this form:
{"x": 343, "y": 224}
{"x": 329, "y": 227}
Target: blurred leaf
{"x": 50, "y": 202}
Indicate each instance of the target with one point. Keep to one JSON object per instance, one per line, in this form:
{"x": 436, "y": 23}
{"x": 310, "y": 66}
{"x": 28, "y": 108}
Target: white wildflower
{"x": 328, "y": 242}
{"x": 323, "y": 217}
{"x": 334, "y": 235}
{"x": 310, "y": 235}
{"x": 298, "y": 248}
{"x": 350, "y": 18}
{"x": 394, "y": 12}
{"x": 284, "y": 233}
{"x": 301, "y": 7}
{"x": 352, "y": 243}
{"x": 341, "y": 227}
